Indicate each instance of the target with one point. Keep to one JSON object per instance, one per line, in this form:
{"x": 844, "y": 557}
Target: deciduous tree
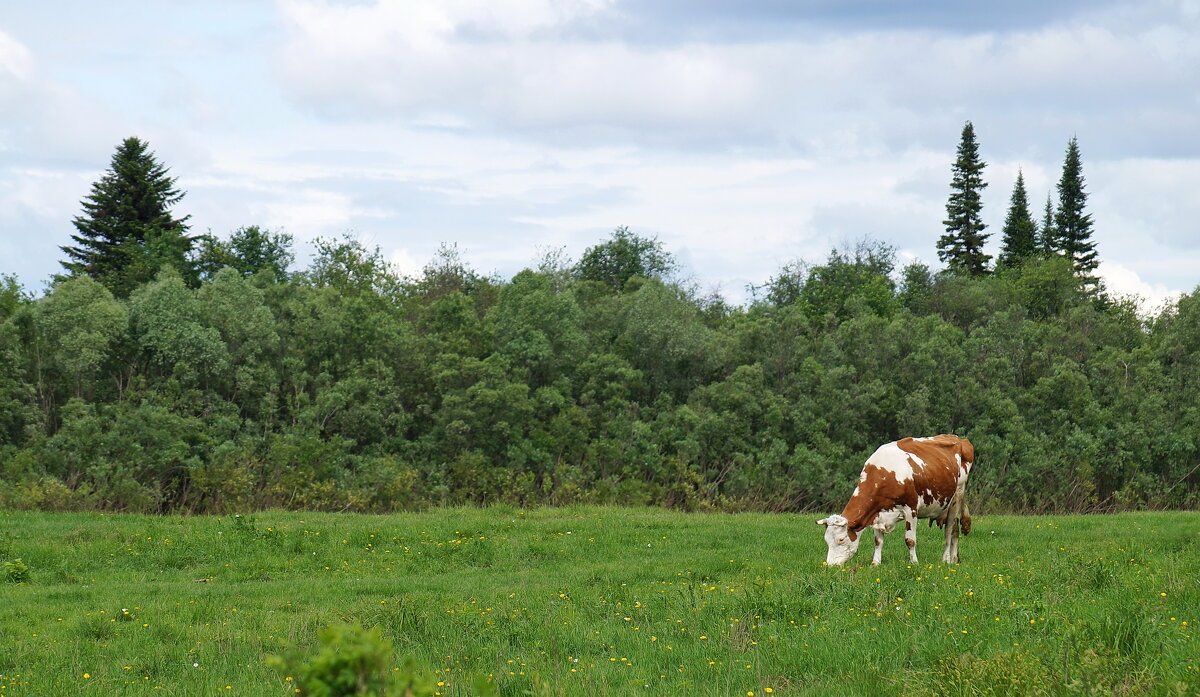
{"x": 623, "y": 256}
{"x": 248, "y": 250}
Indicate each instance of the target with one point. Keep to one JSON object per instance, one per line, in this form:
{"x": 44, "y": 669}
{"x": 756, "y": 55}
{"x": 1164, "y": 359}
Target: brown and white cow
{"x": 907, "y": 479}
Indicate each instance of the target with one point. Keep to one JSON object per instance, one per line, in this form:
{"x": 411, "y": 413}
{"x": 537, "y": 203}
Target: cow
{"x": 904, "y": 480}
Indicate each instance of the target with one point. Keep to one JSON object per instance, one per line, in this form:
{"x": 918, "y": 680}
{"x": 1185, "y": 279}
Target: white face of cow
{"x": 837, "y": 536}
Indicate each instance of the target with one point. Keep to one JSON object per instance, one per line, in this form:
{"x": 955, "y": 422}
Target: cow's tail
{"x": 967, "y": 451}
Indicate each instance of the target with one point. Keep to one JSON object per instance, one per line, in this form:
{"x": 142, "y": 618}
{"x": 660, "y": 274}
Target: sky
{"x": 742, "y": 135}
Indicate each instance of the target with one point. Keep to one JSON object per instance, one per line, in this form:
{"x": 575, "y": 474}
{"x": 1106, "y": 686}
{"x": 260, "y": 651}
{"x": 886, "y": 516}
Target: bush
{"x": 16, "y": 571}
{"x": 353, "y": 661}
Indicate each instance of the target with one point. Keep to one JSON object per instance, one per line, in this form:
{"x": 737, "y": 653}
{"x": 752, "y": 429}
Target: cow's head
{"x": 842, "y": 543}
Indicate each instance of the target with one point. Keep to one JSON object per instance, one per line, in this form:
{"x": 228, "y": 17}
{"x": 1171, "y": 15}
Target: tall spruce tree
{"x": 1020, "y": 231}
{"x": 1073, "y": 227}
{"x": 1047, "y": 237}
{"x": 127, "y": 231}
{"x": 962, "y": 245}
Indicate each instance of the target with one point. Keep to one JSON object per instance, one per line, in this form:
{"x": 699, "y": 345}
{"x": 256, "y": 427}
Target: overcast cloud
{"x": 743, "y": 135}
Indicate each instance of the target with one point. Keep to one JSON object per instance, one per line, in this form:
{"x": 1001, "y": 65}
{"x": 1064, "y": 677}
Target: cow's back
{"x": 940, "y": 466}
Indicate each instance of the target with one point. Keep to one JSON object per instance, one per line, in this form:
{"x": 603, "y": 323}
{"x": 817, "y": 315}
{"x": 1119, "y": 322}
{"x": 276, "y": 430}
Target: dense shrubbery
{"x": 347, "y": 388}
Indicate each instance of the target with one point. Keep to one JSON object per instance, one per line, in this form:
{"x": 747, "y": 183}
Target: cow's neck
{"x": 859, "y": 513}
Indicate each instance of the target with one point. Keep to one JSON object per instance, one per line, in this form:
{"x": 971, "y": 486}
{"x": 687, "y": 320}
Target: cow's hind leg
{"x": 910, "y": 535}
{"x": 950, "y": 555}
{"x": 878, "y": 547}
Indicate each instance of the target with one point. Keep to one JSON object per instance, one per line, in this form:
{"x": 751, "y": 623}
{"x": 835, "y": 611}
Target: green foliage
{"x": 78, "y": 325}
{"x": 962, "y": 245}
{"x": 345, "y": 387}
{"x": 852, "y": 281}
{"x": 238, "y": 311}
{"x": 785, "y": 287}
{"x": 350, "y": 268}
{"x": 916, "y": 288}
{"x": 16, "y": 571}
{"x": 1047, "y": 232}
{"x": 12, "y": 296}
{"x": 132, "y": 456}
{"x": 1020, "y": 231}
{"x": 1073, "y": 227}
{"x": 538, "y": 328}
{"x": 661, "y": 333}
{"x": 166, "y": 320}
{"x": 623, "y": 256}
{"x": 353, "y": 661}
{"x": 127, "y": 231}
{"x": 249, "y": 251}
{"x": 449, "y": 273}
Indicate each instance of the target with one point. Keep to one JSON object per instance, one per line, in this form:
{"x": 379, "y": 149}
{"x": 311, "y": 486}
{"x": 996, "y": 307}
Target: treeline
{"x": 173, "y": 373}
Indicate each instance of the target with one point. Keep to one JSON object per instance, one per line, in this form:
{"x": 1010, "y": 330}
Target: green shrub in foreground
{"x": 352, "y": 660}
{"x": 16, "y": 571}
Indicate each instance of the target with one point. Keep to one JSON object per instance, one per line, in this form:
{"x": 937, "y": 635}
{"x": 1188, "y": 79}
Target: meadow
{"x": 601, "y": 601}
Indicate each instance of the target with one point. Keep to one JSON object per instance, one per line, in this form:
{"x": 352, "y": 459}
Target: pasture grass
{"x": 602, "y": 601}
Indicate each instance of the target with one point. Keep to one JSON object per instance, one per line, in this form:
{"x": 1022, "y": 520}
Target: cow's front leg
{"x": 878, "y": 548}
{"x": 910, "y": 534}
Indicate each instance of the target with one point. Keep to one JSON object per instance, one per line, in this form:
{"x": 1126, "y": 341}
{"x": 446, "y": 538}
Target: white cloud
{"x": 16, "y": 62}
{"x": 43, "y": 193}
{"x": 45, "y": 118}
{"x": 1123, "y": 281}
{"x": 414, "y": 60}
{"x": 870, "y": 90}
{"x": 405, "y": 263}
{"x": 308, "y": 213}
{"x": 1149, "y": 199}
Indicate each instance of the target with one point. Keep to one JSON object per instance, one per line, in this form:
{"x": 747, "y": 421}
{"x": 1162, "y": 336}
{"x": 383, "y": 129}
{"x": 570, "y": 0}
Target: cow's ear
{"x": 823, "y": 521}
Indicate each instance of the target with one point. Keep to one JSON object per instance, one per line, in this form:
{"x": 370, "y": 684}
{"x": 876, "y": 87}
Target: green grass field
{"x": 602, "y": 601}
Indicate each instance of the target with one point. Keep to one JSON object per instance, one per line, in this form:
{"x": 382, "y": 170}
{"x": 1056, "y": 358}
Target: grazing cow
{"x": 908, "y": 479}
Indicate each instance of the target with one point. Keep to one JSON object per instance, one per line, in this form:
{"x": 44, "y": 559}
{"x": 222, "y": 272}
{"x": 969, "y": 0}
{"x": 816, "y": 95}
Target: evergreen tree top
{"x": 1047, "y": 238}
{"x": 1073, "y": 227}
{"x": 962, "y": 245}
{"x": 126, "y": 230}
{"x": 136, "y": 187}
{"x": 1020, "y": 232}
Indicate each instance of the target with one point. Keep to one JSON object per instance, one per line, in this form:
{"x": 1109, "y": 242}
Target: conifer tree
{"x": 127, "y": 231}
{"x": 1047, "y": 235}
{"x": 962, "y": 245}
{"x": 1074, "y": 227}
{"x": 1020, "y": 231}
